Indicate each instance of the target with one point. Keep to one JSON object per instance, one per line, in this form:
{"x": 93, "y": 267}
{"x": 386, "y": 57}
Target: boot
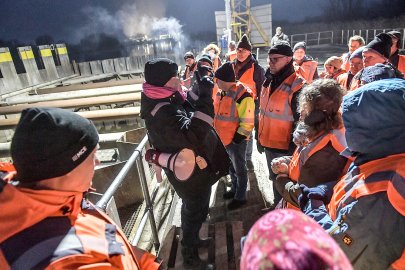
{"x": 191, "y": 260}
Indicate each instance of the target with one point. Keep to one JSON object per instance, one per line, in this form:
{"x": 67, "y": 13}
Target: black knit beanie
{"x": 50, "y": 142}
{"x": 159, "y": 71}
{"x": 281, "y": 48}
{"x": 397, "y": 35}
{"x": 300, "y": 45}
{"x": 226, "y": 73}
{"x": 382, "y": 44}
{"x": 244, "y": 43}
{"x": 205, "y": 58}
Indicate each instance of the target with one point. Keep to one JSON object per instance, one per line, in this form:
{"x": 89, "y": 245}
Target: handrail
{"x": 134, "y": 159}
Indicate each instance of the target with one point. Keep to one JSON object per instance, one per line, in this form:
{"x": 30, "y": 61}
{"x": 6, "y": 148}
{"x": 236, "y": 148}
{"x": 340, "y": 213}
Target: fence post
{"x": 403, "y": 38}
{"x": 331, "y": 39}
{"x": 367, "y": 36}
{"x": 343, "y": 33}
{"x": 319, "y": 37}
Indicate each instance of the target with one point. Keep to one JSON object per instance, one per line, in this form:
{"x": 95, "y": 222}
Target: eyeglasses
{"x": 274, "y": 60}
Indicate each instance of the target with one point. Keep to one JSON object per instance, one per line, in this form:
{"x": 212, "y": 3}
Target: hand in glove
{"x": 238, "y": 138}
{"x": 152, "y": 156}
{"x": 321, "y": 192}
{"x": 259, "y": 147}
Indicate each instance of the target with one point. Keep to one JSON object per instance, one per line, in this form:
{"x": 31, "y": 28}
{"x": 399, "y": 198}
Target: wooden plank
{"x": 166, "y": 247}
{"x": 204, "y": 234}
{"x": 221, "y": 254}
{"x": 237, "y": 233}
{"x": 179, "y": 258}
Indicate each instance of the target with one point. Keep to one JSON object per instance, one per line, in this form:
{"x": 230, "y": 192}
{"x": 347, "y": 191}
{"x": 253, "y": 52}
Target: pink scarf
{"x": 159, "y": 92}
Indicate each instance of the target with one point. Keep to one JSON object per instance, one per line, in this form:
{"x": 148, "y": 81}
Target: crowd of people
{"x": 333, "y": 141}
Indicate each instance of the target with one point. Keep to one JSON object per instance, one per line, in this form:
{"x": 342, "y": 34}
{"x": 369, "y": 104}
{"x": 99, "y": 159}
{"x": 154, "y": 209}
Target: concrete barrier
{"x": 84, "y": 69}
{"x": 10, "y": 80}
{"x": 45, "y": 52}
{"x": 108, "y": 65}
{"x": 96, "y": 67}
{"x": 66, "y": 67}
{"x": 31, "y": 68}
{"x": 120, "y": 65}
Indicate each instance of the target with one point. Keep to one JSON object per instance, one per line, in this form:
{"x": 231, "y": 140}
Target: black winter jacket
{"x": 177, "y": 126}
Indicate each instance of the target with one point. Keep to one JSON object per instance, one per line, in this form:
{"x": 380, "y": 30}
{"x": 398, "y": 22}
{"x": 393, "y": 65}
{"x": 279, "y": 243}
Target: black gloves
{"x": 259, "y": 147}
{"x": 321, "y": 192}
{"x": 238, "y": 138}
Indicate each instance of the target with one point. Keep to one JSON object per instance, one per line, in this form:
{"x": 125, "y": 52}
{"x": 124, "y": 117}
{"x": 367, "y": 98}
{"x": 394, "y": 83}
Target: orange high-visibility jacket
{"x": 301, "y": 154}
{"x": 275, "y": 113}
{"x": 227, "y": 119}
{"x": 401, "y": 63}
{"x": 247, "y": 79}
{"x": 62, "y": 234}
{"x": 230, "y": 56}
{"x": 369, "y": 181}
{"x": 306, "y": 70}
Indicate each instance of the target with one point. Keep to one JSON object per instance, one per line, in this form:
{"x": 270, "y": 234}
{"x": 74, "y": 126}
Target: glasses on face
{"x": 274, "y": 60}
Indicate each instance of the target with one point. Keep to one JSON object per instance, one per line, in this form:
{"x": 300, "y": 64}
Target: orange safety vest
{"x": 302, "y": 154}
{"x": 401, "y": 64}
{"x": 346, "y": 62}
{"x": 226, "y": 119}
{"x": 215, "y": 64}
{"x": 373, "y": 177}
{"x": 342, "y": 79}
{"x": 306, "y": 70}
{"x": 275, "y": 113}
{"x": 247, "y": 79}
{"x": 231, "y": 55}
{"x": 189, "y": 76}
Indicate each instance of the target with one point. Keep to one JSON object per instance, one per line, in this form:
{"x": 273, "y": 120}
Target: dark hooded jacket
{"x": 176, "y": 126}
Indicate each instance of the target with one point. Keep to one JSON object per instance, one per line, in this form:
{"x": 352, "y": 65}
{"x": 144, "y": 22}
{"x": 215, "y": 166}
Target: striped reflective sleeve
{"x": 204, "y": 117}
{"x": 246, "y": 112}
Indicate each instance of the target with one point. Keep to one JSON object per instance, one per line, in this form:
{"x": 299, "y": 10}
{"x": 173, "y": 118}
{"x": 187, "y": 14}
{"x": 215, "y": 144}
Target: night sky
{"x": 70, "y": 20}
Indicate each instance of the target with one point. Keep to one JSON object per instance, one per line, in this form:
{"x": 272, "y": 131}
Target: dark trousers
{"x": 194, "y": 211}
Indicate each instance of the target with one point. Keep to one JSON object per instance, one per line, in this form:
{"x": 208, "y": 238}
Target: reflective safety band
{"x": 204, "y": 117}
{"x": 5, "y": 57}
{"x": 282, "y": 117}
{"x": 62, "y": 50}
{"x": 46, "y": 53}
{"x": 27, "y": 55}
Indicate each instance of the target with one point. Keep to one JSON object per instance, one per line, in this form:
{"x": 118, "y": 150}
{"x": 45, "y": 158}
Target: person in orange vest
{"x": 356, "y": 64}
{"x": 304, "y": 65}
{"x": 251, "y": 74}
{"x": 234, "y": 122}
{"x": 375, "y": 52}
{"x": 45, "y": 221}
{"x": 354, "y": 43}
{"x": 231, "y": 55}
{"x": 191, "y": 66}
{"x": 366, "y": 208}
{"x": 278, "y": 108}
{"x": 319, "y": 137}
{"x": 396, "y": 59}
{"x": 213, "y": 51}
{"x": 332, "y": 67}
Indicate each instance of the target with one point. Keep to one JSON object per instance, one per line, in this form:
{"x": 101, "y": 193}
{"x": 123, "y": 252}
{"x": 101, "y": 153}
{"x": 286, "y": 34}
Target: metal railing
{"x": 135, "y": 160}
{"x": 343, "y": 36}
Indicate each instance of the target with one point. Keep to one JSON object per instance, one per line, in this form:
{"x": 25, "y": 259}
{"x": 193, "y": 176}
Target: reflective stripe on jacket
{"x": 306, "y": 70}
{"x": 381, "y": 175}
{"x": 301, "y": 154}
{"x": 275, "y": 113}
{"x": 247, "y": 79}
{"x": 227, "y": 119}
